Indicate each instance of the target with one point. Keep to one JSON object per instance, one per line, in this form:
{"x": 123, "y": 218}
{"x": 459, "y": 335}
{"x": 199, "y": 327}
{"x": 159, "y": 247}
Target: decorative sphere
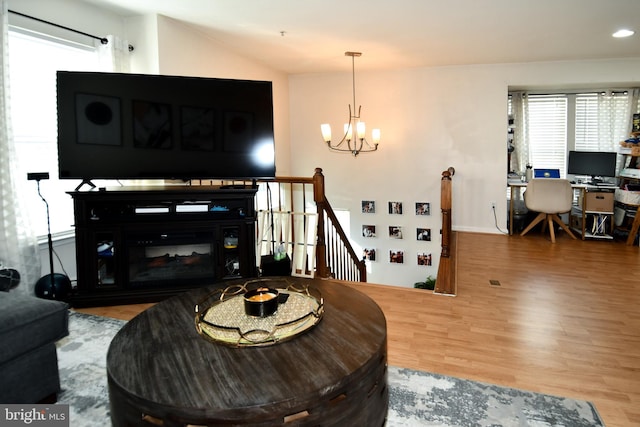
{"x": 58, "y": 288}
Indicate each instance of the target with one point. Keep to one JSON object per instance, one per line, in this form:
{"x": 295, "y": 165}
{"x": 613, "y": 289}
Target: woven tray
{"x": 220, "y": 317}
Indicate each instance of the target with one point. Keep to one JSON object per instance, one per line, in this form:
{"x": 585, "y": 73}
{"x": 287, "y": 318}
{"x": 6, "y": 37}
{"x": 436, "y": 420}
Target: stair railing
{"x": 339, "y": 260}
{"x": 446, "y": 279}
{"x": 335, "y": 256}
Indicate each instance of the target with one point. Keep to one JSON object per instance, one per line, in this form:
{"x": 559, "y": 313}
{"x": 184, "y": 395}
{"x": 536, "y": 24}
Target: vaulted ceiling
{"x": 308, "y": 36}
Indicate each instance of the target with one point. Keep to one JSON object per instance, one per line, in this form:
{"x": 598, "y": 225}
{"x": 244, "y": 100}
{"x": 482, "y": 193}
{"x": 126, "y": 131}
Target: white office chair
{"x": 549, "y": 197}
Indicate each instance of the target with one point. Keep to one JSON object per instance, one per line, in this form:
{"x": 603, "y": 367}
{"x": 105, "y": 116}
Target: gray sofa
{"x": 29, "y": 329}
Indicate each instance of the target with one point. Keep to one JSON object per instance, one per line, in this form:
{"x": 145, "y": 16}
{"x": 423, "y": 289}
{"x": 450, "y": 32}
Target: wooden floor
{"x": 565, "y": 320}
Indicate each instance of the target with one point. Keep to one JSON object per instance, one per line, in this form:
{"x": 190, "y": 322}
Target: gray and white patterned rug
{"x": 415, "y": 398}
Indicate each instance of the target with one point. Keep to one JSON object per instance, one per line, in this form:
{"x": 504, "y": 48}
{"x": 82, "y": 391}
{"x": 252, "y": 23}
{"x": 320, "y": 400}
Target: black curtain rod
{"x": 103, "y": 40}
{"x": 580, "y": 92}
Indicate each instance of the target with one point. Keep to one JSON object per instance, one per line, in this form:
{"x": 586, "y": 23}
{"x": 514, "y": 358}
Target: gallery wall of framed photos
{"x": 400, "y": 234}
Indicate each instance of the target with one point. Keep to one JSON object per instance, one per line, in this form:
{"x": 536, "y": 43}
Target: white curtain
{"x": 18, "y": 243}
{"x": 614, "y": 119}
{"x": 520, "y": 156}
{"x": 634, "y": 104}
{"x": 114, "y": 55}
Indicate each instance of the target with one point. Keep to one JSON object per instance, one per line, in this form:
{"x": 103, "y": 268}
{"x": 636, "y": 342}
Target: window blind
{"x": 546, "y": 130}
{"x": 586, "y": 122}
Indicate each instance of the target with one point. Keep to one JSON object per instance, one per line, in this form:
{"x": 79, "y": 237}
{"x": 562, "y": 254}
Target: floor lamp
{"x": 54, "y": 285}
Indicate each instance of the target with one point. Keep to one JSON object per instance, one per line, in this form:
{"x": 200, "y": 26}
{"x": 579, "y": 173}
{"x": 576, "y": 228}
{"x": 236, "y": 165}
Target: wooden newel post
{"x": 320, "y": 199}
{"x": 445, "y": 207}
{"x": 446, "y": 269}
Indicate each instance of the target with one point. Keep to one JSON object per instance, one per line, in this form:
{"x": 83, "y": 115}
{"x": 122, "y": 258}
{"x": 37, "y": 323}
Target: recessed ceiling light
{"x": 623, "y": 33}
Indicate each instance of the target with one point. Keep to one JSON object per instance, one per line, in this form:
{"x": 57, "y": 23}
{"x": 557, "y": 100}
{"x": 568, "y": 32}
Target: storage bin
{"x": 598, "y": 201}
{"x": 627, "y": 197}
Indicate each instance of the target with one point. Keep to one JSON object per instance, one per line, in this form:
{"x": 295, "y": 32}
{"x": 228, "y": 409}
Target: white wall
{"x": 431, "y": 118}
{"x": 142, "y": 34}
{"x": 185, "y": 51}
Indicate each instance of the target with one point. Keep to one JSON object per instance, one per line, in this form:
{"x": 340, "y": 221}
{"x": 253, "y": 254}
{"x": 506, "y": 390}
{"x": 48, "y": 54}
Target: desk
{"x": 160, "y": 371}
{"x": 515, "y": 185}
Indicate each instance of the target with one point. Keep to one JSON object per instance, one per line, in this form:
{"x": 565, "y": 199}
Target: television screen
{"x": 134, "y": 126}
{"x": 592, "y": 163}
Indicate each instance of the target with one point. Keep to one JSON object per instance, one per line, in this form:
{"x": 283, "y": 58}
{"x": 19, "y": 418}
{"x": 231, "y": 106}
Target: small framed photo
{"x": 98, "y": 120}
{"x": 424, "y": 259}
{"x": 395, "y": 208}
{"x": 152, "y": 125}
{"x": 197, "y": 129}
{"x": 396, "y": 257}
{"x": 423, "y": 234}
{"x": 423, "y": 208}
{"x": 368, "y": 231}
{"x": 395, "y": 232}
{"x": 369, "y": 254}
{"x": 368, "y": 206}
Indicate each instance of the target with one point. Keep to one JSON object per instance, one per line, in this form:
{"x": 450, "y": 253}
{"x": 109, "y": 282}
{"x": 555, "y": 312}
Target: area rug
{"x": 416, "y": 398}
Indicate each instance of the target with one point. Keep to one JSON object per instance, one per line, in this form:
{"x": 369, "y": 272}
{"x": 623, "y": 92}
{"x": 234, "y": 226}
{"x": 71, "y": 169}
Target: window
{"x": 547, "y": 131}
{"x": 33, "y": 62}
{"x": 554, "y": 124}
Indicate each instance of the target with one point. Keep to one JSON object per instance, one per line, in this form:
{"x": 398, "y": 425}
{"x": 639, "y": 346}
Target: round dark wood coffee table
{"x": 162, "y": 372}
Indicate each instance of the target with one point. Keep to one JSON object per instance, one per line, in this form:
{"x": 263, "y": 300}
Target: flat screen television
{"x": 595, "y": 164}
{"x": 135, "y": 126}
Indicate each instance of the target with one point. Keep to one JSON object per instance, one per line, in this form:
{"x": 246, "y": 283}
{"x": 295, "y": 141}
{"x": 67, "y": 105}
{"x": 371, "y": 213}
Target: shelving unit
{"x": 628, "y": 202}
{"x": 592, "y": 216}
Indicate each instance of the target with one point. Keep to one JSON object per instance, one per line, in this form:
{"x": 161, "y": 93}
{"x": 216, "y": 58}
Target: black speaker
{"x": 55, "y": 285}
{"x": 58, "y": 288}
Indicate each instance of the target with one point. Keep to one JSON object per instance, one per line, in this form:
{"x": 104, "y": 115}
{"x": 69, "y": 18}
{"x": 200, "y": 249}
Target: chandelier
{"x": 348, "y": 143}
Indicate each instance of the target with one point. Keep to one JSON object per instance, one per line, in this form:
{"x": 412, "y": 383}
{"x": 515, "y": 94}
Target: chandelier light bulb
{"x": 326, "y": 132}
{"x": 348, "y": 131}
{"x": 375, "y": 136}
{"x": 360, "y": 128}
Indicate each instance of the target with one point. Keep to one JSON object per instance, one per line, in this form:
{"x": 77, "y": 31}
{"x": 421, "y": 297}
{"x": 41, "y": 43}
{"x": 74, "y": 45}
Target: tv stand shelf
{"x": 143, "y": 244}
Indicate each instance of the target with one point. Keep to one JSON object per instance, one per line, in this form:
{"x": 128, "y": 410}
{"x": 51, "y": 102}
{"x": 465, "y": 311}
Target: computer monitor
{"x": 595, "y": 164}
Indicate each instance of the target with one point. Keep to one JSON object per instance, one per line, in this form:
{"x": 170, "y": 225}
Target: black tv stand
{"x": 233, "y": 187}
{"x": 144, "y": 244}
{"x": 242, "y": 186}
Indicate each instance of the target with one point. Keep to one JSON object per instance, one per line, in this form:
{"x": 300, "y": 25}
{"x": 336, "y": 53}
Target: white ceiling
{"x": 404, "y": 33}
